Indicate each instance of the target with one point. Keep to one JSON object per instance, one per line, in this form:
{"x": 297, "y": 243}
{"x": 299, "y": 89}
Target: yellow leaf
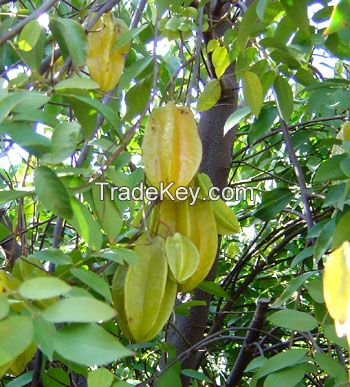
{"x": 253, "y": 93}
{"x": 221, "y": 60}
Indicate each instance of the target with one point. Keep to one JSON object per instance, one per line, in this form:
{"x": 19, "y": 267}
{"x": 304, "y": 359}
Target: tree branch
{"x": 299, "y": 174}
{"x": 246, "y": 353}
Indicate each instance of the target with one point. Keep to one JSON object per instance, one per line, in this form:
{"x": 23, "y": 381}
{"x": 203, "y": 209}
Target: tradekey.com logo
{"x": 150, "y": 193}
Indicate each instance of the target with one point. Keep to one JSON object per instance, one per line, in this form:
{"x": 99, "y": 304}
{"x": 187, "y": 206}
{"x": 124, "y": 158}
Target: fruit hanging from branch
{"x": 143, "y": 294}
{"x": 171, "y": 148}
{"x": 105, "y": 63}
{"x": 336, "y": 288}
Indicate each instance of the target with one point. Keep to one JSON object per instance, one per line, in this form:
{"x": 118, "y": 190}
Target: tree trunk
{"x": 216, "y": 162}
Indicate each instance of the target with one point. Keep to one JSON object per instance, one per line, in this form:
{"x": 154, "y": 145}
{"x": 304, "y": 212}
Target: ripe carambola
{"x": 336, "y": 287}
{"x": 171, "y": 148}
{"x": 197, "y": 223}
{"x": 104, "y": 62}
{"x": 143, "y": 294}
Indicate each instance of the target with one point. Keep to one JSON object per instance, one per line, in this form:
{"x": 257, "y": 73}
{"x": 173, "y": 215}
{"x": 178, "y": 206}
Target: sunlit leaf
{"x": 253, "y": 93}
{"x": 43, "y": 287}
{"x": 71, "y": 38}
{"x": 210, "y": 95}
{"x": 220, "y": 60}
{"x": 16, "y": 334}
{"x": 78, "y": 309}
{"x": 88, "y": 344}
{"x": 293, "y": 319}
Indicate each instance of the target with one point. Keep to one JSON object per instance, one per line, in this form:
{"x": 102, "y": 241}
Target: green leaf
{"x": 210, "y": 95}
{"x": 9, "y": 195}
{"x": 293, "y": 319}
{"x": 55, "y": 256}
{"x": 41, "y": 288}
{"x": 342, "y": 230}
{"x": 331, "y": 366}
{"x": 252, "y": 90}
{"x": 273, "y": 203}
{"x": 213, "y": 288}
{"x": 31, "y": 44}
{"x": 315, "y": 289}
{"x": 246, "y": 26}
{"x": 340, "y": 18}
{"x": 284, "y": 97}
{"x": 32, "y": 101}
{"x": 235, "y": 118}
{"x": 56, "y": 377}
{"x": 88, "y": 344}
{"x": 263, "y": 123}
{"x": 107, "y": 212}
{"x": 64, "y": 141}
{"x": 195, "y": 375}
{"x": 331, "y": 334}
{"x": 282, "y": 360}
{"x": 95, "y": 281}
{"x": 29, "y": 36}
{"x": 255, "y": 363}
{"x": 23, "y": 380}
{"x": 330, "y": 170}
{"x": 4, "y": 232}
{"x": 297, "y": 12}
{"x": 44, "y": 333}
{"x": 16, "y": 334}
{"x": 71, "y": 38}
{"x": 8, "y": 103}
{"x": 289, "y": 377}
{"x": 282, "y": 56}
{"x": 85, "y": 224}
{"x": 134, "y": 71}
{"x": 306, "y": 253}
{"x": 324, "y": 240}
{"x": 52, "y": 193}
{"x": 121, "y": 255}
{"x": 76, "y": 82}
{"x": 184, "y": 308}
{"x": 100, "y": 378}
{"x": 221, "y": 60}
{"x": 128, "y": 36}
{"x": 3, "y": 88}
{"x": 4, "y": 306}
{"x": 78, "y": 309}
{"x": 137, "y": 97}
{"x": 85, "y": 114}
{"x": 294, "y": 285}
{"x": 212, "y": 45}
{"x": 108, "y": 113}
{"x": 26, "y": 137}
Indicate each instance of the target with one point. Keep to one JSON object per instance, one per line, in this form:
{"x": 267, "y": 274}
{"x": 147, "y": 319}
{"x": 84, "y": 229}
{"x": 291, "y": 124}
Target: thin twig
{"x": 36, "y": 368}
{"x": 195, "y": 74}
{"x": 299, "y": 174}
{"x": 138, "y": 13}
